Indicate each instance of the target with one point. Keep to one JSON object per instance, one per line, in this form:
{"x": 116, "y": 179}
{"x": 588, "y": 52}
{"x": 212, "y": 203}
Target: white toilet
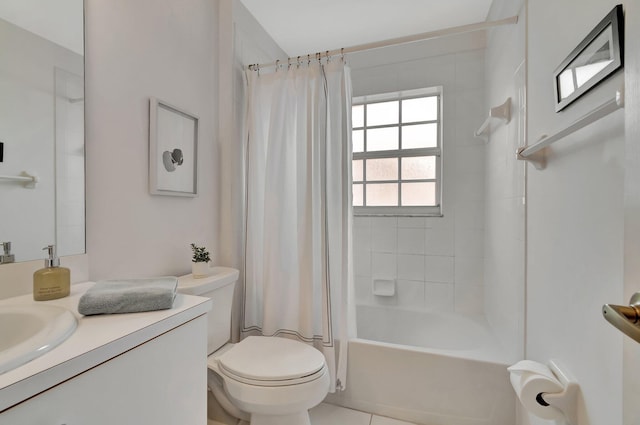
{"x": 264, "y": 380}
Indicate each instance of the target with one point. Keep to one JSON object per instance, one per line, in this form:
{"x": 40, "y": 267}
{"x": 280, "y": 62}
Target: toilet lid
{"x": 259, "y": 358}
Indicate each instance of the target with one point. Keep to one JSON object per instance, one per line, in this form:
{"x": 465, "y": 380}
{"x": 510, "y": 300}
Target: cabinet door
{"x": 161, "y": 382}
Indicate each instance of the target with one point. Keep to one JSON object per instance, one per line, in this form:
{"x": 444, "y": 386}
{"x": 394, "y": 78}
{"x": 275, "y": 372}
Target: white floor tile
{"x": 328, "y": 414}
{"x": 379, "y": 420}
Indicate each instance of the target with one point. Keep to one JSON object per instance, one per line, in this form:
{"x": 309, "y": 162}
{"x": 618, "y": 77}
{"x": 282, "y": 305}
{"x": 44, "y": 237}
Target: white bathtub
{"x": 448, "y": 380}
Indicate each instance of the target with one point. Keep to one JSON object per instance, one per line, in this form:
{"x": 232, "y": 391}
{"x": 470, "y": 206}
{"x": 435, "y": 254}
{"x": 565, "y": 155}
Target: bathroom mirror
{"x": 42, "y": 126}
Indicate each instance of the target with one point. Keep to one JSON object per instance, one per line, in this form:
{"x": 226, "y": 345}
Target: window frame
{"x": 437, "y": 152}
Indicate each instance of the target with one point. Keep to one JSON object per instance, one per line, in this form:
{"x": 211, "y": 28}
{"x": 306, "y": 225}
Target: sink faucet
{"x": 7, "y": 257}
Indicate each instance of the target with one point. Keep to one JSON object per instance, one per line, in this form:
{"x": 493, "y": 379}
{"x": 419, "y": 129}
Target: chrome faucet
{"x": 7, "y": 257}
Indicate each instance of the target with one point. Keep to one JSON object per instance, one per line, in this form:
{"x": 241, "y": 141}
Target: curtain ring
{"x": 288, "y": 64}
{"x": 298, "y": 64}
{"x": 309, "y": 60}
{"x": 328, "y": 58}
{"x": 277, "y": 64}
{"x": 342, "y": 53}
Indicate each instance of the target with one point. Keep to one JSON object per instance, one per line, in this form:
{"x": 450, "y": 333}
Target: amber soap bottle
{"x": 51, "y": 282}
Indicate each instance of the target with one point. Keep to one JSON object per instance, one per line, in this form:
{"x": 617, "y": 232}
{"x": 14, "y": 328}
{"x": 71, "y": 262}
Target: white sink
{"x": 28, "y": 331}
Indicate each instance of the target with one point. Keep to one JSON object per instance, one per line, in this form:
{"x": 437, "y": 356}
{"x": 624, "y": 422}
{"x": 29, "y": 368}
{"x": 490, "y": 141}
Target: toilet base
{"x": 300, "y": 418}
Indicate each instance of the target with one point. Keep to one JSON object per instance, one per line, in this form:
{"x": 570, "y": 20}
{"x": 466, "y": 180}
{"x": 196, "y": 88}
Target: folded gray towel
{"x": 129, "y": 296}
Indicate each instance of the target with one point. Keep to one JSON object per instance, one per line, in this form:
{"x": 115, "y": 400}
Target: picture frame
{"x": 173, "y": 150}
{"x": 597, "y": 56}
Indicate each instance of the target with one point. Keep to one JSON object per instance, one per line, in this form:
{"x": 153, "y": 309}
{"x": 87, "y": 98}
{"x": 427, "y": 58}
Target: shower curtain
{"x": 298, "y": 265}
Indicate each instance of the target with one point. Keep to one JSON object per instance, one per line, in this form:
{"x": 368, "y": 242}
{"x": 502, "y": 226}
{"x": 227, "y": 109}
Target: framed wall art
{"x": 594, "y": 59}
{"x": 173, "y": 150}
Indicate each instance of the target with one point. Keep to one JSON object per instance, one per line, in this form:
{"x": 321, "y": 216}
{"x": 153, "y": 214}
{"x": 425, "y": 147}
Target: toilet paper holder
{"x": 561, "y": 403}
{"x": 567, "y": 400}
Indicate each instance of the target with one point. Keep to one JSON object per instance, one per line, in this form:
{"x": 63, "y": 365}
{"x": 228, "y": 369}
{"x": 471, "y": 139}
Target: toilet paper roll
{"x": 530, "y": 379}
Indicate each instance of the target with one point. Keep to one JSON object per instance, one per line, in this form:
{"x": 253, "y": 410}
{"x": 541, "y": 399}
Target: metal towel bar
{"x": 528, "y": 153}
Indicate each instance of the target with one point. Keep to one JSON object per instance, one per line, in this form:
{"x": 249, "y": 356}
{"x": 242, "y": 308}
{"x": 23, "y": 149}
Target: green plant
{"x": 200, "y": 254}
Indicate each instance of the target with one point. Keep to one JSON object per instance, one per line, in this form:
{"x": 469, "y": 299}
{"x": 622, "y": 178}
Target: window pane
{"x": 357, "y": 140}
{"x": 420, "y": 136}
{"x": 382, "y": 113}
{"x": 357, "y": 116}
{"x": 382, "y": 169}
{"x": 357, "y": 170}
{"x": 418, "y": 168}
{"x": 382, "y": 194}
{"x": 418, "y": 194}
{"x": 420, "y": 109}
{"x": 357, "y": 195}
{"x": 382, "y": 139}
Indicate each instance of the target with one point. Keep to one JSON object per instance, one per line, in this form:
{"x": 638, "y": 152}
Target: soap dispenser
{"x": 52, "y": 281}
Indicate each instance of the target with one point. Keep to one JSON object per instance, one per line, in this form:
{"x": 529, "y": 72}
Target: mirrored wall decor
{"x": 42, "y": 126}
{"x": 595, "y": 58}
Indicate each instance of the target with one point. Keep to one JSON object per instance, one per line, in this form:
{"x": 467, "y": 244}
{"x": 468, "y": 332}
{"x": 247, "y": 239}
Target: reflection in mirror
{"x": 42, "y": 126}
{"x": 593, "y": 59}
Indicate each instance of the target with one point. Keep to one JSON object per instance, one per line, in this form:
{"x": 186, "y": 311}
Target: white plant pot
{"x": 199, "y": 270}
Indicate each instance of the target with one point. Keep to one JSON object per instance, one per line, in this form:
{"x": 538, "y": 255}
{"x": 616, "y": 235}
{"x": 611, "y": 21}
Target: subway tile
{"x": 362, "y": 222}
{"x": 469, "y": 243}
{"x": 410, "y": 267}
{"x": 439, "y": 268}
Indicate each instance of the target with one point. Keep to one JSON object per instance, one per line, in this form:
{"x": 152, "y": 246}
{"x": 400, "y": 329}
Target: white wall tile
{"x": 439, "y": 269}
{"x": 384, "y": 239}
{"x": 469, "y": 271}
{"x": 469, "y": 243}
{"x": 410, "y": 267}
{"x": 411, "y": 241}
{"x": 362, "y": 238}
{"x": 439, "y": 296}
{"x": 412, "y": 222}
{"x": 363, "y": 291}
{"x": 439, "y": 240}
{"x": 410, "y": 293}
{"x": 362, "y": 263}
{"x": 384, "y": 222}
{"x": 383, "y": 266}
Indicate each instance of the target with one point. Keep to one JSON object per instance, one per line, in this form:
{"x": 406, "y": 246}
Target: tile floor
{"x": 328, "y": 414}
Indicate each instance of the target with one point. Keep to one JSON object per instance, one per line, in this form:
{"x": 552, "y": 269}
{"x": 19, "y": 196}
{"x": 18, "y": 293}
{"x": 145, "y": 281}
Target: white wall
{"x": 505, "y": 181}
{"x": 574, "y": 218}
{"x": 436, "y": 261}
{"x": 135, "y": 50}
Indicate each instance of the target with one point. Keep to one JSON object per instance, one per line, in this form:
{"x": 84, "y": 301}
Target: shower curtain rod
{"x": 395, "y": 41}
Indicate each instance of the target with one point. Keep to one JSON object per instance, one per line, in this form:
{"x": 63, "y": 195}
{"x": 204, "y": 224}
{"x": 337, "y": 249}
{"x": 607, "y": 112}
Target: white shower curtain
{"x": 298, "y": 265}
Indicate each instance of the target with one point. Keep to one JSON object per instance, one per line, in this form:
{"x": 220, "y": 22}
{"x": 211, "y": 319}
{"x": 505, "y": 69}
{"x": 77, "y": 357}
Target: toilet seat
{"x": 271, "y": 362}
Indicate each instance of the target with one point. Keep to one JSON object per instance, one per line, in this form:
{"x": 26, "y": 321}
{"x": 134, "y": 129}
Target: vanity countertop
{"x": 96, "y": 340}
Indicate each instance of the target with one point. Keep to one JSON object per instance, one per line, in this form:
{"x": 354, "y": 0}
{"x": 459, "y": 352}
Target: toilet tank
{"x": 218, "y": 286}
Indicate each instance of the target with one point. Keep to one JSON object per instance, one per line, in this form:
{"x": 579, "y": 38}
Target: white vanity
{"x": 140, "y": 368}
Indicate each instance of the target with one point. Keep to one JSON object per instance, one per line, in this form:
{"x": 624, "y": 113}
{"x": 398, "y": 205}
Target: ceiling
{"x": 308, "y": 26}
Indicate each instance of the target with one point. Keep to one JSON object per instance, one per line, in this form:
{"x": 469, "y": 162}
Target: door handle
{"x": 625, "y": 318}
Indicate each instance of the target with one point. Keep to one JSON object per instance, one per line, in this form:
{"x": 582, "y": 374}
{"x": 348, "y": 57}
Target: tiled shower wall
{"x": 436, "y": 262}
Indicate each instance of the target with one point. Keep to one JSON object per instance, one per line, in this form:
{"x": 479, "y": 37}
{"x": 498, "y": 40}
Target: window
{"x": 397, "y": 147}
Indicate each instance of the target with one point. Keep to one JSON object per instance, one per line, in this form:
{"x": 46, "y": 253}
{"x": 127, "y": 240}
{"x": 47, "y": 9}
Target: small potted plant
{"x": 200, "y": 261}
